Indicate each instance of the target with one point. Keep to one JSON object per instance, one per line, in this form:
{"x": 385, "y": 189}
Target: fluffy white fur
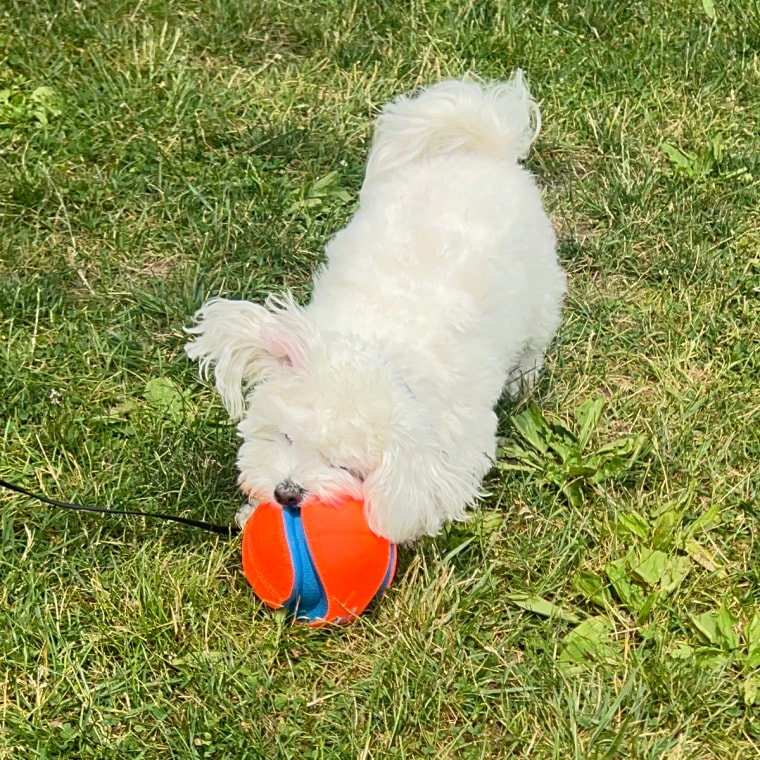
{"x": 443, "y": 290}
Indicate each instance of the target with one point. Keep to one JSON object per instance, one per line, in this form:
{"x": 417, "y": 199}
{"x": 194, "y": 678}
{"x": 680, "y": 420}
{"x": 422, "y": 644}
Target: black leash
{"x": 224, "y": 530}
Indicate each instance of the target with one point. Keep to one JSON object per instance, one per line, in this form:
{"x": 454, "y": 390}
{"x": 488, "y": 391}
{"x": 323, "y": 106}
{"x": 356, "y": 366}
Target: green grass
{"x": 175, "y": 151}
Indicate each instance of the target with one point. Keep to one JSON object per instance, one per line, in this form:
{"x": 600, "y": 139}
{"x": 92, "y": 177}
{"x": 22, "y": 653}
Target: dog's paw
{"x": 244, "y": 513}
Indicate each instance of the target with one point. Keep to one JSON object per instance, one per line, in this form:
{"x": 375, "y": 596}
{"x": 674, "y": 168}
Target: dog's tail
{"x": 501, "y": 120}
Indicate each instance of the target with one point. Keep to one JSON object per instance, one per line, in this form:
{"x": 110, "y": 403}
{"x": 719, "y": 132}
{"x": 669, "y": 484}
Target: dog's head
{"x": 326, "y": 415}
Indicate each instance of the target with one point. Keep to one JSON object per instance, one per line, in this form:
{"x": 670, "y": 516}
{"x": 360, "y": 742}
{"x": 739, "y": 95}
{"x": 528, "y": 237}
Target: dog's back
{"x": 449, "y": 263}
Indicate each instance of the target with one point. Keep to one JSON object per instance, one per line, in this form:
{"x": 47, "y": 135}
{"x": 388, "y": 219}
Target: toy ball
{"x": 320, "y": 561}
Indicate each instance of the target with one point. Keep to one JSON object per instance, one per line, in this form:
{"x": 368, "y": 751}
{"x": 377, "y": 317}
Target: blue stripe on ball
{"x": 389, "y": 572}
{"x": 308, "y": 600}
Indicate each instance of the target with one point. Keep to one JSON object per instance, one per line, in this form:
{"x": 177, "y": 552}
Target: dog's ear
{"x": 288, "y": 335}
{"x": 416, "y": 488}
{"x": 245, "y": 343}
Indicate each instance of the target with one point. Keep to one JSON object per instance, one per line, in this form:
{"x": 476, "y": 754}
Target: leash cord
{"x": 223, "y": 530}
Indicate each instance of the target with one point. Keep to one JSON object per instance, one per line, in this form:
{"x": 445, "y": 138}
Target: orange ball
{"x": 320, "y": 561}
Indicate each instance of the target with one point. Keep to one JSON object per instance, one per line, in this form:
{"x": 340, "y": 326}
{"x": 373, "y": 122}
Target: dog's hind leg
{"x": 523, "y": 377}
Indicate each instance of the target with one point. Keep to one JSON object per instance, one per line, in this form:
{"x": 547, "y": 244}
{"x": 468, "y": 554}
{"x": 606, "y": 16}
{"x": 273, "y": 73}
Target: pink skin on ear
{"x": 283, "y": 346}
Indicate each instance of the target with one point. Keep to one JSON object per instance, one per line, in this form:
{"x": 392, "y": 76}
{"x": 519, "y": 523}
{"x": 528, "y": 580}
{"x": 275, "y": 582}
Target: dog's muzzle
{"x": 288, "y": 494}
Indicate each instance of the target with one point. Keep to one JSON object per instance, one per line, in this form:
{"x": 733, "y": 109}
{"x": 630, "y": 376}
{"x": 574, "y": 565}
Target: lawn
{"x": 603, "y": 603}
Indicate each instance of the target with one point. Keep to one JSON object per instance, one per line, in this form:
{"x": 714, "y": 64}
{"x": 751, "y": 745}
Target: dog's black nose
{"x": 288, "y": 493}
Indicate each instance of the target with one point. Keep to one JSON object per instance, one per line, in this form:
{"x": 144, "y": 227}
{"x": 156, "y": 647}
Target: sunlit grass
{"x": 180, "y": 149}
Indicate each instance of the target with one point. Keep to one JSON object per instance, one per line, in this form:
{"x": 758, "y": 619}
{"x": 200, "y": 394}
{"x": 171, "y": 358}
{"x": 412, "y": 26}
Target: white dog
{"x": 443, "y": 290}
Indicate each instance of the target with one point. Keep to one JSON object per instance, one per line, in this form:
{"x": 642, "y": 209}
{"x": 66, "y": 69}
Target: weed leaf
{"x": 707, "y": 626}
{"x": 556, "y": 454}
{"x": 664, "y": 531}
{"x": 587, "y": 417}
{"x": 592, "y": 587}
{"x": 532, "y": 426}
{"x": 681, "y": 160}
{"x": 629, "y": 594}
{"x": 317, "y": 196}
{"x": 588, "y": 644}
{"x": 701, "y": 556}
{"x": 718, "y": 628}
{"x": 573, "y": 492}
{"x": 676, "y": 570}
{"x": 750, "y": 689}
{"x": 752, "y": 641}
{"x": 164, "y": 396}
{"x": 542, "y": 607}
{"x": 19, "y": 107}
{"x": 703, "y": 522}
{"x": 650, "y": 566}
{"x": 635, "y": 523}
{"x": 726, "y": 626}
